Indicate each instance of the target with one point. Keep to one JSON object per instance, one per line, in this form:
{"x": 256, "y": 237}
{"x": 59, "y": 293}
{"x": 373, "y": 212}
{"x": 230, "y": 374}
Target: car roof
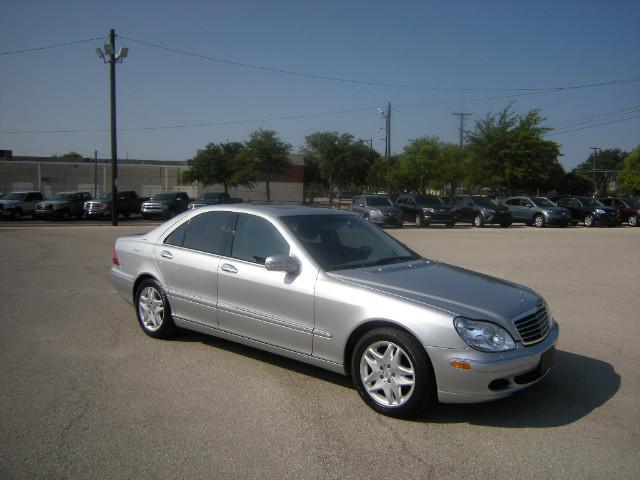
{"x": 275, "y": 209}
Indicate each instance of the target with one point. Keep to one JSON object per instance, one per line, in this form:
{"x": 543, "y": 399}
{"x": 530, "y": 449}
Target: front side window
{"x": 378, "y": 202}
{"x": 484, "y": 201}
{"x": 255, "y": 239}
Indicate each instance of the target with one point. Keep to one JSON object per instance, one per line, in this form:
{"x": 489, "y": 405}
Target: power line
{"x": 47, "y": 47}
{"x": 595, "y": 125}
{"x": 635, "y": 78}
{"x": 192, "y": 125}
{"x": 594, "y": 118}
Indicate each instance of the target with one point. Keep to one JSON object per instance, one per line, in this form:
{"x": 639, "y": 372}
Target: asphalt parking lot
{"x": 85, "y": 394}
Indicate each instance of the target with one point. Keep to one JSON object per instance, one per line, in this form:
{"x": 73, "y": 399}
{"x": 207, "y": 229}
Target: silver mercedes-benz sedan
{"x": 327, "y": 288}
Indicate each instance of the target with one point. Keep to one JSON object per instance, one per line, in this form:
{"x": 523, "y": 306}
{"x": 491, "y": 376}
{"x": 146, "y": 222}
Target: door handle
{"x": 228, "y": 268}
{"x": 166, "y": 254}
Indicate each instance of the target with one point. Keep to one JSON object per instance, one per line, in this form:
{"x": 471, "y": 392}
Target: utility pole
{"x": 95, "y": 173}
{"x": 461, "y": 115}
{"x": 594, "y": 157}
{"x": 109, "y": 56}
{"x": 388, "y": 117}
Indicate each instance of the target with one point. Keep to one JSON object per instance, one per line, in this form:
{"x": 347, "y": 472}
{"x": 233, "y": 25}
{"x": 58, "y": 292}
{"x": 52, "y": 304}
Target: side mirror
{"x": 361, "y": 204}
{"x": 282, "y": 263}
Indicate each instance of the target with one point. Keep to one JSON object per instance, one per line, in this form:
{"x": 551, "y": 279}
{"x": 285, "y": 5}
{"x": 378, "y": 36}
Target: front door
{"x": 272, "y": 307}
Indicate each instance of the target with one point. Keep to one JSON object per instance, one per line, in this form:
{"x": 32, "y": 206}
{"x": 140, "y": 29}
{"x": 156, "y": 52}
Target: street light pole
{"x": 109, "y": 56}
{"x": 114, "y": 138}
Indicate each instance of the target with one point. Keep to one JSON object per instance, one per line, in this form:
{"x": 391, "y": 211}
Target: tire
{"x": 588, "y": 221}
{"x": 420, "y": 221}
{"x": 153, "y": 310}
{"x": 633, "y": 220}
{"x": 478, "y": 221}
{"x": 392, "y": 373}
{"x": 65, "y": 215}
{"x": 16, "y": 214}
{"x": 505, "y": 224}
{"x": 538, "y": 221}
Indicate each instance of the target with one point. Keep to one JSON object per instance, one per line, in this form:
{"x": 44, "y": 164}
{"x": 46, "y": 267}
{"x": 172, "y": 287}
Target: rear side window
{"x": 255, "y": 239}
{"x": 176, "y": 237}
{"x": 209, "y": 232}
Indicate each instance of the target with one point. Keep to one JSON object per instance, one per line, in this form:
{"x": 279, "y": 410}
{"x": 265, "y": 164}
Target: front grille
{"x": 533, "y": 328}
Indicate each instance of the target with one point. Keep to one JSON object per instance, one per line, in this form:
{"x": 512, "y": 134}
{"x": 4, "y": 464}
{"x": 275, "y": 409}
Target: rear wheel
{"x": 633, "y": 220}
{"x": 16, "y": 214}
{"x": 538, "y": 221}
{"x": 420, "y": 221}
{"x": 153, "y": 310}
{"x": 392, "y": 373}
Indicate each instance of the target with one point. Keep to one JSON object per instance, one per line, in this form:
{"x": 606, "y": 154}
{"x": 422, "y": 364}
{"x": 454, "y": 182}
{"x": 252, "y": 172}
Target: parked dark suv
{"x": 376, "y": 209}
{"x": 165, "y": 205}
{"x": 590, "y": 211}
{"x": 628, "y": 209}
{"x": 480, "y": 210}
{"x": 62, "y": 206}
{"x": 538, "y": 211}
{"x": 424, "y": 209}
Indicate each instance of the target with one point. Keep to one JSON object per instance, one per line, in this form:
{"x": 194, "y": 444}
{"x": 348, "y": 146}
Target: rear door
{"x": 188, "y": 261}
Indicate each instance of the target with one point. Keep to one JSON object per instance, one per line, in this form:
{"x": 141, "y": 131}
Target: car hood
{"x": 453, "y": 289}
{"x": 53, "y": 202}
{"x": 555, "y": 210}
{"x": 386, "y": 210}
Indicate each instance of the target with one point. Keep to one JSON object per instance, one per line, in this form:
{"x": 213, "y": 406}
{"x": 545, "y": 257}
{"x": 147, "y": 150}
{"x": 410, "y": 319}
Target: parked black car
{"x": 424, "y": 210}
{"x": 128, "y": 203}
{"x": 628, "y": 209}
{"x": 480, "y": 210}
{"x": 165, "y": 205}
{"x": 589, "y": 211}
{"x": 537, "y": 211}
{"x": 213, "y": 198}
{"x": 62, "y": 206}
{"x": 377, "y": 209}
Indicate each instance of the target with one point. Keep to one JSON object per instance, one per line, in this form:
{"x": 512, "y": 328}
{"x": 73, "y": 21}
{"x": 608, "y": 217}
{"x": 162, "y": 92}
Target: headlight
{"x": 375, "y": 211}
{"x": 428, "y": 210}
{"x": 484, "y": 336}
{"x": 599, "y": 211}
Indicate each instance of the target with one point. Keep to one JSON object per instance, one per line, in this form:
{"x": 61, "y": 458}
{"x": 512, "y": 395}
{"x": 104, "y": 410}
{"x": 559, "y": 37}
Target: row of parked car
{"x": 67, "y": 205}
{"x": 480, "y": 210}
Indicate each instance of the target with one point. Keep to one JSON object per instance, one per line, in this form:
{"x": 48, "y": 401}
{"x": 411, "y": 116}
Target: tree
{"x": 215, "y": 164}
{"x": 450, "y": 170}
{"x": 574, "y": 183}
{"x": 417, "y": 165}
{"x": 608, "y": 163}
{"x": 629, "y": 177}
{"x": 339, "y": 159}
{"x": 509, "y": 153}
{"x": 72, "y": 156}
{"x": 265, "y": 157}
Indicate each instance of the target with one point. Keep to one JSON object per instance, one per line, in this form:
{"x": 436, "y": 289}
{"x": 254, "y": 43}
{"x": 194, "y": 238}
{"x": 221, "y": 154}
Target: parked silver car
{"x": 327, "y": 288}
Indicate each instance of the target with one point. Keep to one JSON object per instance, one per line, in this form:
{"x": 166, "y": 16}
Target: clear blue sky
{"x": 449, "y": 45}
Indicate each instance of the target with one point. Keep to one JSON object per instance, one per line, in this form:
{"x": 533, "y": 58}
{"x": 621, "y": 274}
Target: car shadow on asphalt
{"x": 575, "y": 387}
{"x": 267, "y": 357}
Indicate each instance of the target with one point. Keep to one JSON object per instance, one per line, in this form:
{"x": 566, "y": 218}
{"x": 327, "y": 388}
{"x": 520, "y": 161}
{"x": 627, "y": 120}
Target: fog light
{"x": 462, "y": 364}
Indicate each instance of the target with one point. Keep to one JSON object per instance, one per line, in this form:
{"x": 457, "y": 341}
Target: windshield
{"x": 105, "y": 196}
{"x": 339, "y": 242}
{"x": 590, "y": 202}
{"x": 61, "y": 197}
{"x": 15, "y": 196}
{"x": 428, "y": 200}
{"x": 484, "y": 201}
{"x": 632, "y": 202}
{"x": 542, "y": 202}
{"x": 379, "y": 202}
{"x": 163, "y": 196}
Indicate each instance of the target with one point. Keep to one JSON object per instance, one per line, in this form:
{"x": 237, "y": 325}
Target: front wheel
{"x": 420, "y": 221}
{"x": 16, "y": 214}
{"x": 633, "y": 221}
{"x": 392, "y": 373}
{"x": 478, "y": 221}
{"x": 153, "y": 310}
{"x": 538, "y": 221}
{"x": 588, "y": 221}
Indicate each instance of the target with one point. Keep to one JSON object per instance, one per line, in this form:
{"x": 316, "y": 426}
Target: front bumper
{"x": 382, "y": 219}
{"x": 439, "y": 217}
{"x": 492, "y": 375}
{"x": 562, "y": 220}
